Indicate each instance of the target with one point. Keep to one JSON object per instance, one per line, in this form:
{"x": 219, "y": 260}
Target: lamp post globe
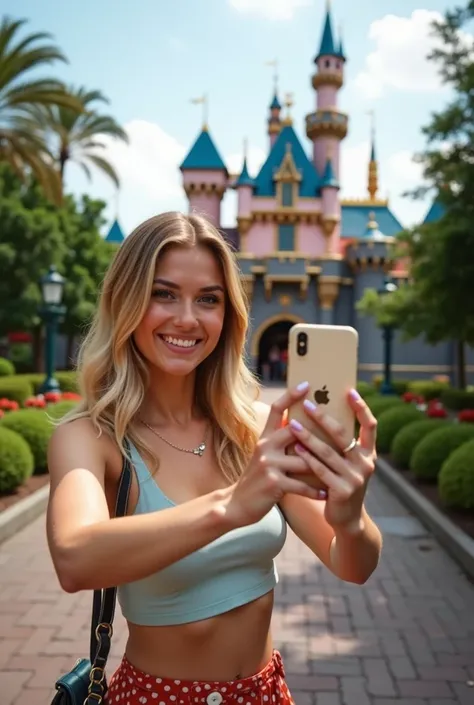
{"x": 389, "y": 286}
{"x": 52, "y": 312}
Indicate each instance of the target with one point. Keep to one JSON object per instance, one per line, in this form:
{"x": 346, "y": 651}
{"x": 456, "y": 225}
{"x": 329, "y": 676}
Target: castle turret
{"x": 205, "y": 177}
{"x": 327, "y": 126}
{"x": 115, "y": 234}
{"x": 274, "y": 120}
{"x": 244, "y": 187}
{"x": 330, "y": 204}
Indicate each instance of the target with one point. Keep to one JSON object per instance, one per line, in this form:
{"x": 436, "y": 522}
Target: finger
{"x": 287, "y": 463}
{"x": 278, "y": 408}
{"x": 280, "y": 438}
{"x": 325, "y": 474}
{"x": 291, "y": 486}
{"x": 367, "y": 421}
{"x": 330, "y": 426}
{"x": 333, "y": 460}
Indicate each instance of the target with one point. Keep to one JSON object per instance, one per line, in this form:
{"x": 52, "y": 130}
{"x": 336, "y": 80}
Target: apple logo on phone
{"x": 321, "y": 396}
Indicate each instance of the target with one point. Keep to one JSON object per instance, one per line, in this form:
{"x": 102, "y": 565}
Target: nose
{"x": 186, "y": 318}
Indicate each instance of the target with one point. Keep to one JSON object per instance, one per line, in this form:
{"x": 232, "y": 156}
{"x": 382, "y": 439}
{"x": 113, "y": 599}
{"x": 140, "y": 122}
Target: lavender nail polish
{"x": 354, "y": 394}
{"x": 296, "y": 425}
{"x": 309, "y": 405}
{"x": 302, "y": 386}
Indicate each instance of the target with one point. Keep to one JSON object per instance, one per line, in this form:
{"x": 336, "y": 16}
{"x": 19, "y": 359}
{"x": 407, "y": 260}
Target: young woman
{"x": 212, "y": 490}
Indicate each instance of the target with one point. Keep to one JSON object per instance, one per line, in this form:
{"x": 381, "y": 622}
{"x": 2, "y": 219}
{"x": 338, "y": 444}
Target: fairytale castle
{"x": 305, "y": 254}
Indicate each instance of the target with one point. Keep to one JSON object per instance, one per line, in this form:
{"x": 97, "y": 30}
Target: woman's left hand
{"x": 345, "y": 473}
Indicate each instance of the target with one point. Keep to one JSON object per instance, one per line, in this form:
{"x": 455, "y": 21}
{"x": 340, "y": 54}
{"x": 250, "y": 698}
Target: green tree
{"x": 75, "y": 135}
{"x": 35, "y": 234}
{"x": 22, "y": 89}
{"x": 436, "y": 302}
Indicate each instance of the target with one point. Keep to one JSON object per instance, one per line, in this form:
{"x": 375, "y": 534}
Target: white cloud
{"x": 270, "y": 9}
{"x": 399, "y": 60}
{"x": 398, "y": 173}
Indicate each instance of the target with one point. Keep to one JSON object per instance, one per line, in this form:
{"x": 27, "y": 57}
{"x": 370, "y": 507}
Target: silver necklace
{"x": 199, "y": 450}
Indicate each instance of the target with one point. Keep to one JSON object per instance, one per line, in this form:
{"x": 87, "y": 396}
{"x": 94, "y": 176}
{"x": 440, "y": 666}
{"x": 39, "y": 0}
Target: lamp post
{"x": 389, "y": 287}
{"x": 52, "y": 312}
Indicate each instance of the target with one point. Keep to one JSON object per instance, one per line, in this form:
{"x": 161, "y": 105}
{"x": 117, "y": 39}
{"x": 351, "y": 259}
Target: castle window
{"x": 327, "y": 63}
{"x": 286, "y": 238}
{"x": 287, "y": 194}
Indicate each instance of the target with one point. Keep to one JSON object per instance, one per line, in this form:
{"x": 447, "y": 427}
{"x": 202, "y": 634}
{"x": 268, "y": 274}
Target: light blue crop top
{"x": 236, "y": 568}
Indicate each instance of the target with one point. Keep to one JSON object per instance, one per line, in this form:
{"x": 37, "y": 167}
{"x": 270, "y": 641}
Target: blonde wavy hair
{"x": 113, "y": 375}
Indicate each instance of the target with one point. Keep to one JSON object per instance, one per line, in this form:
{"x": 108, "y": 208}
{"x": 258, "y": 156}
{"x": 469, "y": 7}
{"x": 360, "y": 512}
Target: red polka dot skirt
{"x": 130, "y": 686}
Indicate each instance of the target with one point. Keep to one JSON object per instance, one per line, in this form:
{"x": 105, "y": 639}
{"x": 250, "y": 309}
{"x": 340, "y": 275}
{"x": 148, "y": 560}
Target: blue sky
{"x": 151, "y": 57}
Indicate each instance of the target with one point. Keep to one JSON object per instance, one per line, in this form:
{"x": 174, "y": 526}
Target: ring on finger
{"x": 350, "y": 447}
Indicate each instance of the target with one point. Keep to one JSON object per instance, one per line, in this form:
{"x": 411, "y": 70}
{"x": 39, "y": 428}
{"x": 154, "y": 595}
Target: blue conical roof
{"x": 203, "y": 154}
{"x": 329, "y": 178}
{"x": 328, "y": 45}
{"x": 115, "y": 233}
{"x": 244, "y": 178}
{"x": 275, "y": 104}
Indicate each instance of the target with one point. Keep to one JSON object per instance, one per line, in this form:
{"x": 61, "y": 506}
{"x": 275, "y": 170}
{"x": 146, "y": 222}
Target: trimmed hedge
{"x": 7, "y": 368}
{"x": 400, "y": 386}
{"x": 430, "y": 453}
{"x": 457, "y": 399}
{"x": 378, "y": 403}
{"x": 15, "y": 388}
{"x": 16, "y": 460}
{"x": 365, "y": 389}
{"x": 407, "y": 438}
{"x": 35, "y": 428}
{"x": 456, "y": 478}
{"x": 392, "y": 421}
{"x": 427, "y": 389}
{"x": 57, "y": 411}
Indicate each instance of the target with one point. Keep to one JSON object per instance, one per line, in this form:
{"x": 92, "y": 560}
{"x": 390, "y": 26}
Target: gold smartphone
{"x": 326, "y": 357}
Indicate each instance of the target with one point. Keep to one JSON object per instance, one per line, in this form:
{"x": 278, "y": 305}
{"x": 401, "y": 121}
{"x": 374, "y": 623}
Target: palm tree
{"x": 73, "y": 135}
{"x": 20, "y": 146}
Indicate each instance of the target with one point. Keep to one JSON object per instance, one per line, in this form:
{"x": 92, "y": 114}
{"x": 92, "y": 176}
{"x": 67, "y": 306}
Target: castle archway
{"x": 270, "y": 344}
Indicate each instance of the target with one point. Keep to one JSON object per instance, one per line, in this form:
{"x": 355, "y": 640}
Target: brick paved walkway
{"x": 405, "y": 637}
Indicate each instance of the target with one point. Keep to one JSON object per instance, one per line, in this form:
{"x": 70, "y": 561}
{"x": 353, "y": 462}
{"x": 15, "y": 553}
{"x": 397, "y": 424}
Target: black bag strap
{"x": 103, "y": 604}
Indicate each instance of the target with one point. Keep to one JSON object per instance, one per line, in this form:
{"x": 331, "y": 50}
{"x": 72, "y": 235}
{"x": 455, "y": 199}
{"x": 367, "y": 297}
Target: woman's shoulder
{"x": 261, "y": 410}
{"x": 81, "y": 435}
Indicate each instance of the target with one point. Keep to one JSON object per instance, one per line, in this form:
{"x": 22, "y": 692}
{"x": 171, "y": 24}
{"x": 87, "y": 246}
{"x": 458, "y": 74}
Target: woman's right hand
{"x": 265, "y": 482}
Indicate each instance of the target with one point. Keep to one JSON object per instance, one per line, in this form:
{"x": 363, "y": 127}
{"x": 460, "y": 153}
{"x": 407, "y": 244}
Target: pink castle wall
{"x": 244, "y": 200}
{"x": 310, "y": 240}
{"x": 261, "y": 239}
{"x": 204, "y": 176}
{"x": 326, "y": 97}
{"x": 208, "y": 205}
{"x": 330, "y": 202}
{"x": 322, "y": 147}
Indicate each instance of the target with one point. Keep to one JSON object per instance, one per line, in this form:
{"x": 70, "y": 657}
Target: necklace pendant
{"x": 200, "y": 449}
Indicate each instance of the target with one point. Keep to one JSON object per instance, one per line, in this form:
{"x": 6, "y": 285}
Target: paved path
{"x": 405, "y": 637}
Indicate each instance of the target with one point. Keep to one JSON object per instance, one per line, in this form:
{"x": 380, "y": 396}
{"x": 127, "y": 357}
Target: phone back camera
{"x": 302, "y": 344}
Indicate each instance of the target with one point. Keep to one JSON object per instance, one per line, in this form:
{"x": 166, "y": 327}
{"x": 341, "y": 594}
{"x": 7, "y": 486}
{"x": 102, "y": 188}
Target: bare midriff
{"x": 236, "y": 644}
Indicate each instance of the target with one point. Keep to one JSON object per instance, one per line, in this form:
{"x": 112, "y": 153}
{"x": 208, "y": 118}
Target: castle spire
{"x": 274, "y": 119}
{"x": 372, "y": 182}
{"x": 328, "y": 43}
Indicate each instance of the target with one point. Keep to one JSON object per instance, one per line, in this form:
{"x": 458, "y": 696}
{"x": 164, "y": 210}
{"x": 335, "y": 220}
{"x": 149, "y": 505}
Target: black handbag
{"x": 86, "y": 683}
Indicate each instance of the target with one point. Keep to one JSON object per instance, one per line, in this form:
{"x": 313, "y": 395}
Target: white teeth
{"x": 179, "y": 342}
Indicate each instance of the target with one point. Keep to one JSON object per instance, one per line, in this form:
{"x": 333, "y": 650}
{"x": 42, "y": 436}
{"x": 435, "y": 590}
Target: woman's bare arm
{"x": 89, "y": 549}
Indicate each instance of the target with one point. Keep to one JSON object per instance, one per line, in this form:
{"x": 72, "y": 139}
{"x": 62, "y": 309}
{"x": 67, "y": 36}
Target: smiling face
{"x": 185, "y": 316}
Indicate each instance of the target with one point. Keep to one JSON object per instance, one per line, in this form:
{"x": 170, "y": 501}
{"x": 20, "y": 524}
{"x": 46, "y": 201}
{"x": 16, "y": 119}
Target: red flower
{"x": 436, "y": 412}
{"x": 52, "y": 397}
{"x": 9, "y": 404}
{"x": 71, "y": 396}
{"x": 466, "y": 415}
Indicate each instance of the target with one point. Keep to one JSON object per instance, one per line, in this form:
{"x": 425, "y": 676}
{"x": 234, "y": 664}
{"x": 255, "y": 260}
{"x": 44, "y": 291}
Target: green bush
{"x": 34, "y": 426}
{"x": 457, "y": 399}
{"x": 400, "y": 386}
{"x": 7, "y": 368}
{"x": 57, "y": 411}
{"x": 392, "y": 421}
{"x": 406, "y": 440}
{"x": 378, "y": 403}
{"x": 427, "y": 388}
{"x": 430, "y": 453}
{"x": 67, "y": 381}
{"x": 15, "y": 388}
{"x": 16, "y": 460}
{"x": 456, "y": 478}
{"x": 365, "y": 389}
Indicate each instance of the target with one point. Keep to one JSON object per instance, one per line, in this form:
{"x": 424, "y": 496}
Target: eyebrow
{"x": 172, "y": 285}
